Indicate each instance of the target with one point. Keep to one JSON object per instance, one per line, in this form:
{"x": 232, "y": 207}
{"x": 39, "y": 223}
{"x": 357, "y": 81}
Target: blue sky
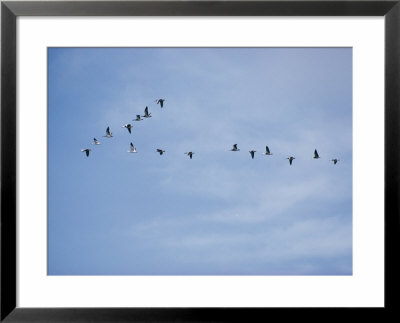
{"x": 221, "y": 213}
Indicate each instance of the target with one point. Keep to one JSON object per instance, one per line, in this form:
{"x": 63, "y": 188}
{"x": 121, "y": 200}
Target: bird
{"x": 290, "y": 159}
{"x": 128, "y": 126}
{"x": 190, "y": 154}
{"x": 252, "y": 153}
{"x": 316, "y": 156}
{"x": 335, "y": 160}
{"x": 160, "y": 151}
{"x": 146, "y": 113}
{"x": 87, "y": 150}
{"x": 108, "y": 133}
{"x": 160, "y": 101}
{"x": 138, "y": 118}
{"x": 235, "y": 148}
{"x": 96, "y": 142}
{"x": 267, "y": 152}
{"x": 133, "y": 149}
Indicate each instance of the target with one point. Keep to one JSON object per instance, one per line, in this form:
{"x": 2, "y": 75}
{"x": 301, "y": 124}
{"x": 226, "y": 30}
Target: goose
{"x": 108, "y": 133}
{"x": 335, "y": 160}
{"x": 160, "y": 151}
{"x": 146, "y": 113}
{"x": 160, "y": 101}
{"x": 132, "y": 150}
{"x": 138, "y": 118}
{"x": 87, "y": 150}
{"x": 252, "y": 153}
{"x": 128, "y": 126}
{"x": 190, "y": 154}
{"x": 316, "y": 156}
{"x": 290, "y": 159}
{"x": 96, "y": 142}
{"x": 267, "y": 152}
{"x": 235, "y": 148}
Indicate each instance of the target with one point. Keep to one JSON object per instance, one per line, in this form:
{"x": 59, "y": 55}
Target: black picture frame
{"x": 10, "y": 10}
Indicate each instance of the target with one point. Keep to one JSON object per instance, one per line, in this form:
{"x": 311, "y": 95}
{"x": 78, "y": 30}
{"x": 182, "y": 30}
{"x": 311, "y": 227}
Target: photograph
{"x": 200, "y": 161}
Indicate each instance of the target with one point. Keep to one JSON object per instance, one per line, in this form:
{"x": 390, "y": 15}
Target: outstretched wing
{"x": 315, "y": 154}
{"x": 267, "y": 149}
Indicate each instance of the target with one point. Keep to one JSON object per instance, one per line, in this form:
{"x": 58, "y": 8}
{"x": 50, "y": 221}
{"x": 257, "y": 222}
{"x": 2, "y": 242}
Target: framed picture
{"x": 198, "y": 160}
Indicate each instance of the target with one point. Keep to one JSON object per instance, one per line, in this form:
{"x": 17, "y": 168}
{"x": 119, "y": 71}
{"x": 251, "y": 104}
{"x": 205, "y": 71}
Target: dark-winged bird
{"x": 160, "y": 151}
{"x": 335, "y": 160}
{"x": 316, "y": 156}
{"x": 235, "y": 148}
{"x": 128, "y": 126}
{"x": 160, "y": 102}
{"x": 190, "y": 154}
{"x": 290, "y": 159}
{"x": 108, "y": 133}
{"x": 267, "y": 152}
{"x": 146, "y": 113}
{"x": 96, "y": 142}
{"x": 87, "y": 150}
{"x": 252, "y": 153}
{"x": 138, "y": 118}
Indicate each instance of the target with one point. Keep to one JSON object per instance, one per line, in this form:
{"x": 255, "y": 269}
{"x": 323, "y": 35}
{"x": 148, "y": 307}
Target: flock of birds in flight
{"x": 189, "y": 153}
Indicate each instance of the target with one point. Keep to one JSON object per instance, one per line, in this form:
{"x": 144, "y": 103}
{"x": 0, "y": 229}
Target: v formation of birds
{"x": 147, "y": 114}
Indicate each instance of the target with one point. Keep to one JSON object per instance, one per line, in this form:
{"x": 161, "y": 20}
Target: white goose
{"x": 133, "y": 149}
{"x": 108, "y": 133}
{"x": 96, "y": 142}
{"x": 146, "y": 113}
